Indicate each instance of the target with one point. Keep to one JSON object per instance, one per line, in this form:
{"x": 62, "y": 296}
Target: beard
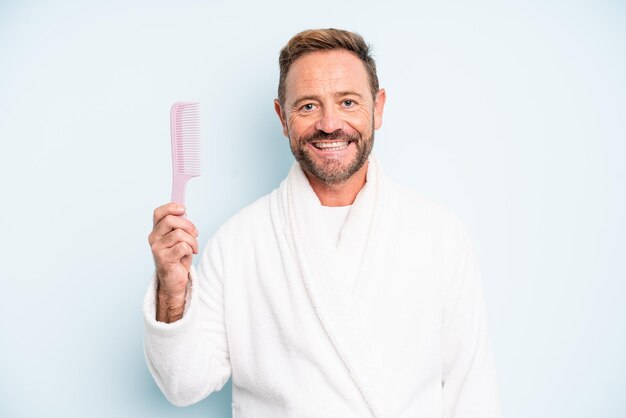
{"x": 332, "y": 171}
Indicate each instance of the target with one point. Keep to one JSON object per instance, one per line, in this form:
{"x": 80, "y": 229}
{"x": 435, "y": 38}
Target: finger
{"x": 179, "y": 251}
{"x": 167, "y": 257}
{"x": 178, "y": 235}
{"x": 172, "y": 222}
{"x": 167, "y": 209}
{"x": 174, "y": 237}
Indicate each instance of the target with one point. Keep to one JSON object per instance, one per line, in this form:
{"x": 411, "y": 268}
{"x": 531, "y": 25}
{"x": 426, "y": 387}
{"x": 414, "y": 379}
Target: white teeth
{"x": 331, "y": 145}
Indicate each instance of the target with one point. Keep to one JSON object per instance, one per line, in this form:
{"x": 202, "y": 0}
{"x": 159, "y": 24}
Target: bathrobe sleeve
{"x": 189, "y": 358}
{"x": 469, "y": 373}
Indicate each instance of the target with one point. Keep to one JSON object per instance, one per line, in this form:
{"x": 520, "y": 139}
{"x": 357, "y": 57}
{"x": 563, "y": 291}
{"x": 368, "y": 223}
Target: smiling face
{"x": 329, "y": 114}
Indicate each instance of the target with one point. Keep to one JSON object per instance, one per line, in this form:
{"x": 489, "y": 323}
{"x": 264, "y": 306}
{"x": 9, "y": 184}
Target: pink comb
{"x": 185, "y": 125}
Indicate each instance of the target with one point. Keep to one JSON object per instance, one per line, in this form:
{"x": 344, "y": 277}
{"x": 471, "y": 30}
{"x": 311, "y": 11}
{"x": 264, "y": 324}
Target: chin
{"x": 332, "y": 172}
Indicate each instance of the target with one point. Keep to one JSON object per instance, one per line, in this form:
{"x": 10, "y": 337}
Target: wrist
{"x": 169, "y": 313}
{"x": 170, "y": 307}
{"x": 171, "y": 290}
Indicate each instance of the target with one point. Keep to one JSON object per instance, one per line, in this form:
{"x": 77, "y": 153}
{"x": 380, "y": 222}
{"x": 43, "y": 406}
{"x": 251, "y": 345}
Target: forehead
{"x": 322, "y": 72}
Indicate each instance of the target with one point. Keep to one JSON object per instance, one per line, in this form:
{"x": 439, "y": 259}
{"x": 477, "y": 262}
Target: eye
{"x": 348, "y": 103}
{"x": 308, "y": 107}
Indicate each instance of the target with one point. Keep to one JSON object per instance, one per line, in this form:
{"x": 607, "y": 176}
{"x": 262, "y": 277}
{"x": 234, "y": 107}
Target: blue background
{"x": 511, "y": 113}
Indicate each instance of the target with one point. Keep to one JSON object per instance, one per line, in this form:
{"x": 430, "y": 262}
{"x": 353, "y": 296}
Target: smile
{"x": 331, "y": 146}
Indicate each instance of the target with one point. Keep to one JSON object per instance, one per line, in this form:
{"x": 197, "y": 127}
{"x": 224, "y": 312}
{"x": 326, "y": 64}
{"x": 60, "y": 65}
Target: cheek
{"x": 299, "y": 125}
{"x": 293, "y": 122}
{"x": 360, "y": 120}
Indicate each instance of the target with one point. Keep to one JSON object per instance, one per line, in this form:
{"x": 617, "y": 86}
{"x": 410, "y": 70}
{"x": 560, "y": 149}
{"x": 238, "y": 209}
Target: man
{"x": 339, "y": 294}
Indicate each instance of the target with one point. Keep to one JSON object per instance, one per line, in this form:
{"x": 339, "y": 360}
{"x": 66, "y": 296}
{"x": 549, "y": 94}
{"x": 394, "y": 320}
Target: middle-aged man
{"x": 339, "y": 294}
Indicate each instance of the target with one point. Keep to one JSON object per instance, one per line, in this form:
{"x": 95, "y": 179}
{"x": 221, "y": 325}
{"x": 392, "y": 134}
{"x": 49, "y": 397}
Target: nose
{"x": 329, "y": 121}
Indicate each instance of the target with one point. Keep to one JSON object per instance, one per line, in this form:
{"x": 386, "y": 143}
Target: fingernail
{"x": 180, "y": 207}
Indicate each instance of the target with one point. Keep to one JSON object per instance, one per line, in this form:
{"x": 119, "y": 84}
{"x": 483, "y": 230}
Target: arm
{"x": 469, "y": 378}
{"x": 189, "y": 358}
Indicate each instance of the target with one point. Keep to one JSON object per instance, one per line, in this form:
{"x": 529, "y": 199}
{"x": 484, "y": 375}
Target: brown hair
{"x": 325, "y": 40}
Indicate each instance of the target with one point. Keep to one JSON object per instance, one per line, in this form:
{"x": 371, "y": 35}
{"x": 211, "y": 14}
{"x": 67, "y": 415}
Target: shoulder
{"x": 237, "y": 233}
{"x": 420, "y": 217}
{"x": 249, "y": 217}
{"x": 418, "y": 206}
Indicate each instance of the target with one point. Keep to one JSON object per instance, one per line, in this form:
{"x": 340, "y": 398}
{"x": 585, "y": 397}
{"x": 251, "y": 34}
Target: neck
{"x": 342, "y": 194}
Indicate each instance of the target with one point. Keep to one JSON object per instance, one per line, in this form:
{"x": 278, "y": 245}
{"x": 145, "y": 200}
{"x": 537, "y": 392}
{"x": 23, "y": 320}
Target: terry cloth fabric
{"x": 390, "y": 322}
{"x": 330, "y": 219}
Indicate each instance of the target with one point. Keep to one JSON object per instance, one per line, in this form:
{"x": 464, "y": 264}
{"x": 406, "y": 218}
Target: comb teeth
{"x": 185, "y": 121}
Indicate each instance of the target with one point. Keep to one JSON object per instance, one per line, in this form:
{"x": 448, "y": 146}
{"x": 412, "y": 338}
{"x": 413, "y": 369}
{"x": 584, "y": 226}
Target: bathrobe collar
{"x": 334, "y": 276}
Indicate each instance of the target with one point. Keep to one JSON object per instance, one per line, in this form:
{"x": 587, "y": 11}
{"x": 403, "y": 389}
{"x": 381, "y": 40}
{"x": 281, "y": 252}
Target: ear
{"x": 281, "y": 115}
{"x": 379, "y": 107}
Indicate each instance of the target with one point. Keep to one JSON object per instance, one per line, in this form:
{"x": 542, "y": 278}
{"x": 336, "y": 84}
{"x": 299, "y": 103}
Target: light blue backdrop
{"x": 511, "y": 113}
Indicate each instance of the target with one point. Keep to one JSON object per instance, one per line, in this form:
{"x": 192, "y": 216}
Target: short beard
{"x": 331, "y": 172}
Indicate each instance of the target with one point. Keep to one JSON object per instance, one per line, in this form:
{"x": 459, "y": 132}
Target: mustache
{"x": 335, "y": 135}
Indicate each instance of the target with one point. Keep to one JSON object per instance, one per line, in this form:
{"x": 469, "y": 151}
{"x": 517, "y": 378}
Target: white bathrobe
{"x": 387, "y": 322}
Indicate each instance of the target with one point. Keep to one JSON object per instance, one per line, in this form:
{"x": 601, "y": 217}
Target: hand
{"x": 173, "y": 243}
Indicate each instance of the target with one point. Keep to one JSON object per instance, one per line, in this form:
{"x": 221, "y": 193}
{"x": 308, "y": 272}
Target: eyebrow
{"x": 315, "y": 97}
